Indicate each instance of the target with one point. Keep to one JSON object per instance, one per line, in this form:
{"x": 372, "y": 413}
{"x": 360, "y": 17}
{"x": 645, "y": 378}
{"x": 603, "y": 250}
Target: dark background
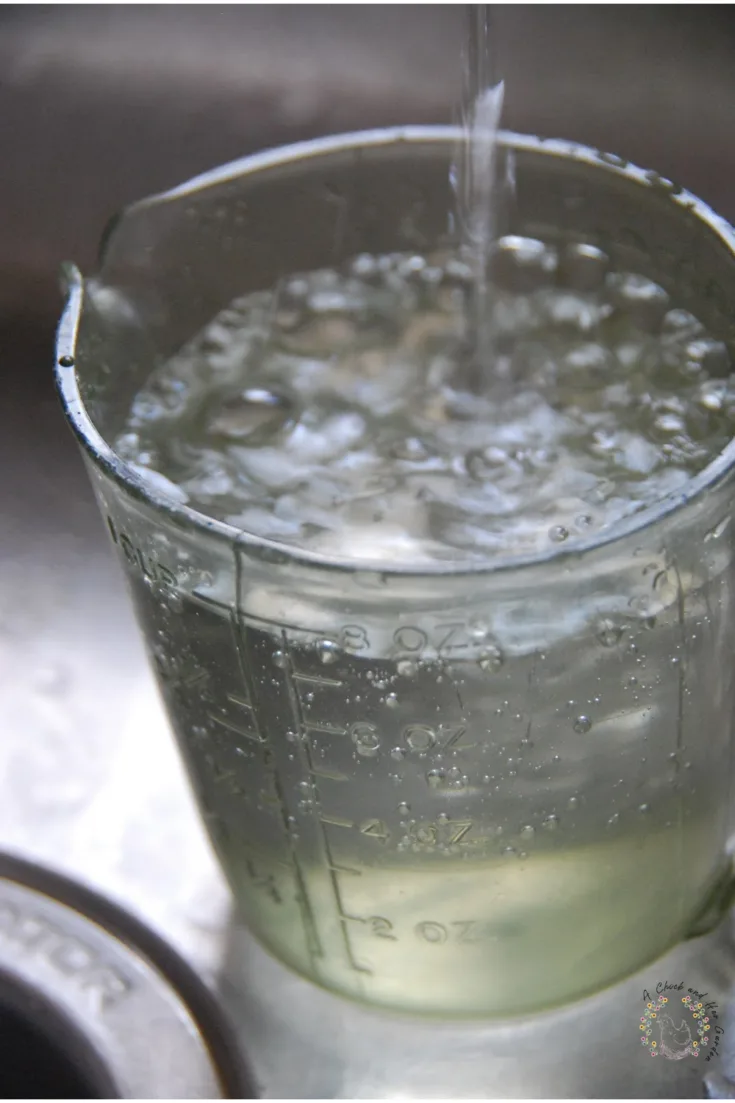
{"x": 100, "y": 105}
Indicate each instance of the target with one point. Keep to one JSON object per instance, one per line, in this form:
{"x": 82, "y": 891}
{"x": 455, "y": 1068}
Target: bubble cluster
{"x": 332, "y": 412}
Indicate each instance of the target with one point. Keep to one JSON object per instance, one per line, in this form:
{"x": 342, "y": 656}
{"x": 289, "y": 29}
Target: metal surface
{"x": 90, "y": 782}
{"x": 104, "y": 983}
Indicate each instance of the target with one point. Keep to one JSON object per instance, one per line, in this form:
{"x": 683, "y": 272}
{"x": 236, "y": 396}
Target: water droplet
{"x": 582, "y": 724}
{"x": 551, "y": 822}
{"x": 558, "y": 534}
{"x": 608, "y": 633}
{"x": 527, "y": 831}
{"x": 66, "y": 361}
{"x": 404, "y": 808}
{"x": 328, "y": 651}
{"x": 436, "y": 778}
{"x": 490, "y": 659}
{"x": 407, "y": 668}
{"x": 391, "y": 701}
{"x": 280, "y": 659}
{"x": 398, "y": 754}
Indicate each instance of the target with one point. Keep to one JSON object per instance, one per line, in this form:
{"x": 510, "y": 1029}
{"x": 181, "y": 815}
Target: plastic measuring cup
{"x": 446, "y": 790}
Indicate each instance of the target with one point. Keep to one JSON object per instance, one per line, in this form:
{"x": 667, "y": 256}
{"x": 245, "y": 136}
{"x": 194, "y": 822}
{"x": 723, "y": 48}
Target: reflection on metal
{"x": 131, "y": 1016}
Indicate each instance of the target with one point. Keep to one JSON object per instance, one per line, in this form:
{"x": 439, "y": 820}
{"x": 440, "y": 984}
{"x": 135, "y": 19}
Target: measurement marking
{"x": 330, "y": 729}
{"x": 279, "y": 625}
{"x": 194, "y": 679}
{"x": 240, "y": 634}
{"x": 305, "y": 751}
{"x": 346, "y": 869}
{"x": 253, "y": 735}
{"x": 239, "y": 701}
{"x": 316, "y": 679}
{"x": 326, "y": 774}
{"x": 337, "y": 821}
{"x": 209, "y": 601}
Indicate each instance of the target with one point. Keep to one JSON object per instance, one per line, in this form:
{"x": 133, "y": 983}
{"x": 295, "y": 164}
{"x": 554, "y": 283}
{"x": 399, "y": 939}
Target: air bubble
{"x": 523, "y": 263}
{"x": 551, "y": 822}
{"x": 558, "y": 534}
{"x": 608, "y": 633}
{"x": 644, "y": 808}
{"x": 710, "y": 356}
{"x": 366, "y": 740}
{"x": 582, "y": 724}
{"x": 436, "y": 778}
{"x": 280, "y": 659}
{"x": 644, "y": 301}
{"x": 411, "y": 449}
{"x": 614, "y": 820}
{"x": 407, "y": 668}
{"x": 490, "y": 659}
{"x": 404, "y": 809}
{"x": 483, "y": 463}
{"x": 398, "y": 754}
{"x": 573, "y": 803}
{"x": 510, "y": 852}
{"x": 251, "y": 415}
{"x": 328, "y": 651}
{"x": 442, "y": 818}
{"x": 583, "y": 267}
{"x": 527, "y": 831}
{"x": 391, "y": 701}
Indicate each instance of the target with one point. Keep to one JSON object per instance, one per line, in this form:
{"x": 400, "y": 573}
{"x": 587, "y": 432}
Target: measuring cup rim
{"x": 182, "y": 515}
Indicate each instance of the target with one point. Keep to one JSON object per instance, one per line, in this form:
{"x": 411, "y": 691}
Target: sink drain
{"x": 94, "y": 1005}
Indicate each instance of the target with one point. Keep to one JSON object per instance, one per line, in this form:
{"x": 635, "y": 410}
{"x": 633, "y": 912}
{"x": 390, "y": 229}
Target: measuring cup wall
{"x": 466, "y": 792}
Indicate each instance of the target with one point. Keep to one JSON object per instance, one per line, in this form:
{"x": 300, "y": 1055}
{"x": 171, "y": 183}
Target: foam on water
{"x": 330, "y": 413}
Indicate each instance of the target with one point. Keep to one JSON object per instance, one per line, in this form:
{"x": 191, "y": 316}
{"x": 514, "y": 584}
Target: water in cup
{"x": 469, "y": 809}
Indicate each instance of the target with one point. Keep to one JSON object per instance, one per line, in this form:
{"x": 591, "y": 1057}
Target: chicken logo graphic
{"x": 674, "y": 1029}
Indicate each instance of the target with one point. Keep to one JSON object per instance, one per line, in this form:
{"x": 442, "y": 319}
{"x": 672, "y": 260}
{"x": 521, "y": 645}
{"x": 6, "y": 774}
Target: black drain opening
{"x": 41, "y": 1055}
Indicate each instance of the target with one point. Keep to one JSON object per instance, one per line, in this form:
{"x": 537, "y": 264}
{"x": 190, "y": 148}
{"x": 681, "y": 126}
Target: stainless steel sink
{"x": 99, "y": 106}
